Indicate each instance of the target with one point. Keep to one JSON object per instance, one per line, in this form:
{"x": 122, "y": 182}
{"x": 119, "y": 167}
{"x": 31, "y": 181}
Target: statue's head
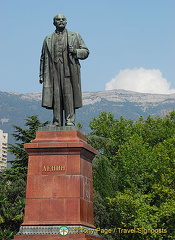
{"x": 60, "y": 21}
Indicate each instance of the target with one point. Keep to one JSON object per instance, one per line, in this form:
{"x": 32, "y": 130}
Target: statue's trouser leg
{"x": 68, "y": 102}
{"x": 63, "y": 98}
{"x": 58, "y": 98}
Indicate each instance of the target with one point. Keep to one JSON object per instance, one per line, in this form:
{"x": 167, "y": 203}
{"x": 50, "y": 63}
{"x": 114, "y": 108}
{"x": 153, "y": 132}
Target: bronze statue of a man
{"x": 60, "y": 72}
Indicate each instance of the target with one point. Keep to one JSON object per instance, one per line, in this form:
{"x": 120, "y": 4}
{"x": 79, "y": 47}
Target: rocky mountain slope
{"x": 14, "y": 107}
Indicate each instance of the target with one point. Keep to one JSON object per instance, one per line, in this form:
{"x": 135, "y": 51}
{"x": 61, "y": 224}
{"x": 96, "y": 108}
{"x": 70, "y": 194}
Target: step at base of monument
{"x": 57, "y": 237}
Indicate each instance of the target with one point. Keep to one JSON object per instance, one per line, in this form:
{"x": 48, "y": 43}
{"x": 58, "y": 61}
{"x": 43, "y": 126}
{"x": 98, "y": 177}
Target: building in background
{"x": 3, "y": 149}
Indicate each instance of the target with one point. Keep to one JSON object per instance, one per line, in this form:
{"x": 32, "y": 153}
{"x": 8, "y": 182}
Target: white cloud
{"x": 140, "y": 80}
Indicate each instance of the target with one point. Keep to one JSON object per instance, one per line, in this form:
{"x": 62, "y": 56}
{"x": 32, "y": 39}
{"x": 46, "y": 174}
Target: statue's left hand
{"x": 41, "y": 80}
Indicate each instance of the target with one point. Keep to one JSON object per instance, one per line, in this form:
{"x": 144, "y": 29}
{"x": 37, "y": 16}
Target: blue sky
{"x": 122, "y": 35}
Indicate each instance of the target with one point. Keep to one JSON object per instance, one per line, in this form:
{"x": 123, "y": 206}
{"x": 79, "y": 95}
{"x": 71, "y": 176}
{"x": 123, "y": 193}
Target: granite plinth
{"x": 59, "y": 182}
{"x": 44, "y": 230}
{"x": 56, "y": 237}
{"x": 51, "y": 232}
{"x": 59, "y": 188}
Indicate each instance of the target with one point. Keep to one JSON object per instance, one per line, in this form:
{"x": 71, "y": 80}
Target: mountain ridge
{"x": 110, "y": 95}
{"x": 15, "y": 107}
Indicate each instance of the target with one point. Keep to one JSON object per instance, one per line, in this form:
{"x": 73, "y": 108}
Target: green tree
{"x": 140, "y": 157}
{"x": 13, "y": 180}
{"x": 19, "y": 165}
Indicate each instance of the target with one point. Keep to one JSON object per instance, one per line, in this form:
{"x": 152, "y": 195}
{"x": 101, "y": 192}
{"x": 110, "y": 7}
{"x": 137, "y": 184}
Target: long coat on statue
{"x": 71, "y": 68}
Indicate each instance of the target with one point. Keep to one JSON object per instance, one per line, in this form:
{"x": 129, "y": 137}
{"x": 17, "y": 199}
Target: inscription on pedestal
{"x": 53, "y": 168}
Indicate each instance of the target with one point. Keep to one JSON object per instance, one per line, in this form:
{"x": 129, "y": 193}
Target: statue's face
{"x": 60, "y": 21}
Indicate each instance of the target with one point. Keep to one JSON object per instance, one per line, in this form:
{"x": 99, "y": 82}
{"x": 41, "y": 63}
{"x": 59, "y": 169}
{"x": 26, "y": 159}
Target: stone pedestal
{"x": 59, "y": 187}
{"x": 55, "y": 237}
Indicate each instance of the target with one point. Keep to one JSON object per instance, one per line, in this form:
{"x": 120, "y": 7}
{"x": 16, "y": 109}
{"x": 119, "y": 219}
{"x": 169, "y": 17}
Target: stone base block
{"x": 57, "y": 237}
{"x": 59, "y": 181}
